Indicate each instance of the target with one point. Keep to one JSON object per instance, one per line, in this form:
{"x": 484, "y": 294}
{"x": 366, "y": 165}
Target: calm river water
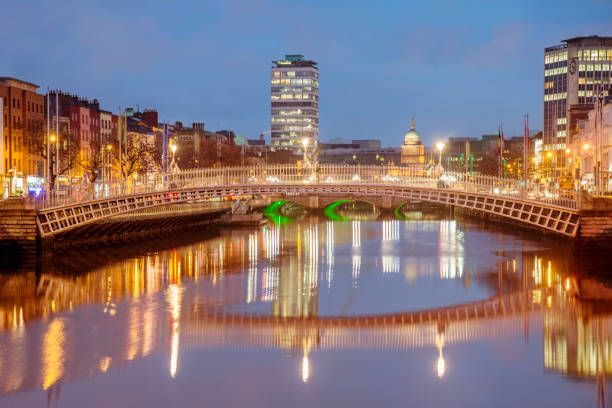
{"x": 311, "y": 313}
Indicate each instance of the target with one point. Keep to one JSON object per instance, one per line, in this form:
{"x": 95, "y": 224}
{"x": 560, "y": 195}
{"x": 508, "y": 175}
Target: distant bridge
{"x": 510, "y": 199}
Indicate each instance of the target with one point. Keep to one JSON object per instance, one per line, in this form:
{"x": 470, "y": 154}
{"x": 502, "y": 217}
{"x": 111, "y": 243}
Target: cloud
{"x": 503, "y": 46}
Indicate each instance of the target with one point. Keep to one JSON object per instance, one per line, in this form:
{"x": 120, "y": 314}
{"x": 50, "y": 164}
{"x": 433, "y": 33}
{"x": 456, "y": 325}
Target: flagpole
{"x": 57, "y": 164}
{"x": 48, "y": 157}
{"x": 125, "y": 141}
{"x": 119, "y": 130}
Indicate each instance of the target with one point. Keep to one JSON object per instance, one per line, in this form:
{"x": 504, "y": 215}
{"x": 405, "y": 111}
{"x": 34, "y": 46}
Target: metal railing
{"x": 320, "y": 175}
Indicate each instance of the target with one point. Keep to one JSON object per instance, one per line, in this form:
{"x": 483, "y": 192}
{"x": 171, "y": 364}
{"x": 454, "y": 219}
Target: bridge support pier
{"x": 595, "y": 221}
{"x": 18, "y": 229}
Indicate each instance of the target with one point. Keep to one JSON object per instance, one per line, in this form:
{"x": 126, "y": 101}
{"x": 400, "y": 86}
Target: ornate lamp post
{"x": 440, "y": 147}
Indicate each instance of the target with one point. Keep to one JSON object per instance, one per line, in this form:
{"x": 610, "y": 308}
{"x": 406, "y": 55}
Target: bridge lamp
{"x": 568, "y": 150}
{"x": 52, "y": 138}
{"x": 586, "y": 146}
{"x": 109, "y": 147}
{"x": 173, "y": 148}
{"x": 549, "y": 154}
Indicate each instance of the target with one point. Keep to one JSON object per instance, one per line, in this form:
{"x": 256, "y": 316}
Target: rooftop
{"x": 294, "y": 60}
{"x": 10, "y": 81}
{"x": 591, "y": 37}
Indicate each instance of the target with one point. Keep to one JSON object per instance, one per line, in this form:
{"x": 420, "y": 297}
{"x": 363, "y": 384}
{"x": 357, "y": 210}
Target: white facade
{"x": 294, "y": 103}
{"x": 589, "y": 138}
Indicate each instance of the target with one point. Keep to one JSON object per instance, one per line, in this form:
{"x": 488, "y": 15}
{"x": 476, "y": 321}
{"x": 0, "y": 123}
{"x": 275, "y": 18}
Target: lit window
{"x": 581, "y": 80}
{"x": 589, "y": 67}
{"x": 587, "y": 55}
{"x": 582, "y": 67}
{"x": 605, "y": 67}
{"x": 291, "y": 73}
{"x": 580, "y": 55}
{"x": 610, "y": 54}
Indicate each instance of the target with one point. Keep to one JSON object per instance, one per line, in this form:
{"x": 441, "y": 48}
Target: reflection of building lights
{"x": 452, "y": 251}
{"x": 329, "y": 241}
{"x": 305, "y": 368}
{"x": 537, "y": 296}
{"x": 356, "y": 268}
{"x": 173, "y": 297}
{"x": 567, "y": 284}
{"x": 390, "y": 230}
{"x": 269, "y": 284}
{"x": 390, "y": 264}
{"x": 105, "y": 363}
{"x": 271, "y": 242}
{"x": 549, "y": 275}
{"x": 53, "y": 354}
{"x": 356, "y": 234}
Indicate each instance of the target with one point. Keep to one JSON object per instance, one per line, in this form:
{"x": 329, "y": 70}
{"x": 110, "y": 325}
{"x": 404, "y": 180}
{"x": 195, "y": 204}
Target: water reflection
{"x": 263, "y": 288}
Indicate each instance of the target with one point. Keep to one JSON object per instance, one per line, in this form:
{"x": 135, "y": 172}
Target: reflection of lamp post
{"x": 440, "y": 147}
{"x": 441, "y": 364}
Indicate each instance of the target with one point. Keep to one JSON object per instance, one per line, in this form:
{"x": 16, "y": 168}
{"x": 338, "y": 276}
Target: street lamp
{"x": 305, "y": 144}
{"x": 173, "y": 149}
{"x": 440, "y": 147}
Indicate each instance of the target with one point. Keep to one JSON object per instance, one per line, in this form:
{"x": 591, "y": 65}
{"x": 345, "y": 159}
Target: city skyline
{"x": 408, "y": 62}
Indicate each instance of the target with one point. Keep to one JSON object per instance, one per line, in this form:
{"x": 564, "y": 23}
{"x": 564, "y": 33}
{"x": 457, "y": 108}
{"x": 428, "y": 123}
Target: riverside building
{"x": 574, "y": 74}
{"x": 294, "y": 103}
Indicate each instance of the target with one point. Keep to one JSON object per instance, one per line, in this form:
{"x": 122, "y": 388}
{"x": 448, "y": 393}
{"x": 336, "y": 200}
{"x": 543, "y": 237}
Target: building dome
{"x": 412, "y": 137}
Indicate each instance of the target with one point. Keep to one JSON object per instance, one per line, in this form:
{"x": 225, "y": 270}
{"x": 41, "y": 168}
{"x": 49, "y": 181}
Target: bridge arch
{"x": 546, "y": 217}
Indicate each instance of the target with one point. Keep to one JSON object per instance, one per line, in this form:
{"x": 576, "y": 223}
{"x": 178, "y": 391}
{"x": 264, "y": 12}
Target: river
{"x": 426, "y": 311}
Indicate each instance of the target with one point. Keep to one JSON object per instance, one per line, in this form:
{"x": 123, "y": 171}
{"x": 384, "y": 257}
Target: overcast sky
{"x": 459, "y": 67}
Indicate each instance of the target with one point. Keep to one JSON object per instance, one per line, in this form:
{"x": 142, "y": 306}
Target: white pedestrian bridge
{"x": 526, "y": 203}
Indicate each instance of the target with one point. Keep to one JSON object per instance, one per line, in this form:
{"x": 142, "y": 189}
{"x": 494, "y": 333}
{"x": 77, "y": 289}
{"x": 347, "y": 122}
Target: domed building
{"x": 413, "y": 151}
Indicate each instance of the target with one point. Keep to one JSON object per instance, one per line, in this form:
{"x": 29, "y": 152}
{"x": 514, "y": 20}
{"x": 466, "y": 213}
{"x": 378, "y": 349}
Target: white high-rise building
{"x": 574, "y": 74}
{"x": 294, "y": 103}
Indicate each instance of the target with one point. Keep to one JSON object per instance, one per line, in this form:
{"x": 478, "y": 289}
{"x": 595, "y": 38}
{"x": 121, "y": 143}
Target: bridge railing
{"x": 321, "y": 175}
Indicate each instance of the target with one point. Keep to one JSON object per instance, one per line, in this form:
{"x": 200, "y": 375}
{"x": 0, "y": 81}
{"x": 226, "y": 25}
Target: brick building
{"x": 23, "y": 129}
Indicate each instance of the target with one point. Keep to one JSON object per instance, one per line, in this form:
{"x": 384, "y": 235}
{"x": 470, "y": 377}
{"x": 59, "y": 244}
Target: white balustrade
{"x": 323, "y": 174}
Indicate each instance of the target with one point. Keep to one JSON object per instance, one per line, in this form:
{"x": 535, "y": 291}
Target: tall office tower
{"x": 294, "y": 102}
{"x": 574, "y": 73}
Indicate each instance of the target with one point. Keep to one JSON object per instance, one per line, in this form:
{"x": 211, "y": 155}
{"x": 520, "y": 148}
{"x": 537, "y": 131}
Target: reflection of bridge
{"x": 495, "y": 307}
{"x": 506, "y": 198}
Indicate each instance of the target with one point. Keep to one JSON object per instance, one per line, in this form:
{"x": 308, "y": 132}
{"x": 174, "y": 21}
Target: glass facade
{"x": 294, "y": 97}
{"x": 574, "y": 73}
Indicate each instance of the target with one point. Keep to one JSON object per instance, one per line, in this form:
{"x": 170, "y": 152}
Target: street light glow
{"x": 173, "y": 148}
{"x": 549, "y": 154}
{"x": 586, "y": 146}
{"x": 440, "y": 146}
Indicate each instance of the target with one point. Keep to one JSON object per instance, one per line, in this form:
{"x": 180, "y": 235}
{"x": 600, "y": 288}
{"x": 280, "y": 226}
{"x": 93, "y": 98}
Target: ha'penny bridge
{"x": 511, "y": 200}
